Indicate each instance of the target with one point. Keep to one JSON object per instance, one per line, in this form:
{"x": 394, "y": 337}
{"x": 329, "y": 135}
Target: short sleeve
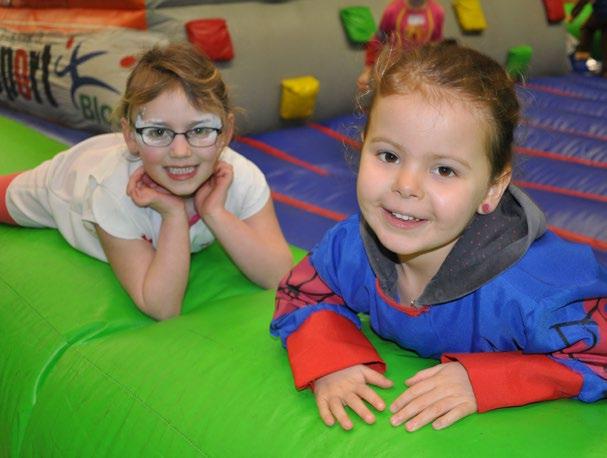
{"x": 249, "y": 191}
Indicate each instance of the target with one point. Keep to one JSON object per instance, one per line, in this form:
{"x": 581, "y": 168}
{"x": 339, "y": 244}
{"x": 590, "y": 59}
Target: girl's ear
{"x": 495, "y": 192}
{"x": 129, "y": 136}
{"x": 227, "y": 132}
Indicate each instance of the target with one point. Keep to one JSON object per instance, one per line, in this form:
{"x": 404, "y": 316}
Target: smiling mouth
{"x": 181, "y": 173}
{"x": 403, "y": 217}
{"x": 180, "y": 170}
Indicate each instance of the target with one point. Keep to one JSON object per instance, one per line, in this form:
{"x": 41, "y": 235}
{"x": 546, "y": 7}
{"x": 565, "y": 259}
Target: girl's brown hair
{"x": 449, "y": 70}
{"x": 163, "y": 68}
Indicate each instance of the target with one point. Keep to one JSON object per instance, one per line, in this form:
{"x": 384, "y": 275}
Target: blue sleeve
{"x": 322, "y": 281}
{"x": 584, "y": 346}
{"x": 570, "y": 321}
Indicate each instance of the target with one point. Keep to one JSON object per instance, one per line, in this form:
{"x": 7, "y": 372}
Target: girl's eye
{"x": 444, "y": 171}
{"x": 156, "y": 132}
{"x": 201, "y": 131}
{"x": 387, "y": 156}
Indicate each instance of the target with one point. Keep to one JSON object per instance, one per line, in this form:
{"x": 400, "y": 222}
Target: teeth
{"x": 180, "y": 170}
{"x": 405, "y": 217}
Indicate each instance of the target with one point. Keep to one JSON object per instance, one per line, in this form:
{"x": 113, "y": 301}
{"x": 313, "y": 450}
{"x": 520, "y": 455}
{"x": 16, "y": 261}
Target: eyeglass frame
{"x": 139, "y": 131}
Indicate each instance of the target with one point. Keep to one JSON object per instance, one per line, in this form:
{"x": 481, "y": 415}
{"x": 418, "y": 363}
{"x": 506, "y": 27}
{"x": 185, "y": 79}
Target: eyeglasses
{"x": 161, "y": 136}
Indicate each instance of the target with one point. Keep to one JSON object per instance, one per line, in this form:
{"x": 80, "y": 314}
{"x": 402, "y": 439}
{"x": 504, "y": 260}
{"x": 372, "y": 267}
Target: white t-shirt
{"x": 86, "y": 185}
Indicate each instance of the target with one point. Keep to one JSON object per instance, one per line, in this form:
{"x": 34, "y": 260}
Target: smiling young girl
{"x": 447, "y": 259}
{"x": 167, "y": 186}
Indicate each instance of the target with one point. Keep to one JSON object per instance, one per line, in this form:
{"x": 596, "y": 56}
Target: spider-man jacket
{"x": 522, "y": 310}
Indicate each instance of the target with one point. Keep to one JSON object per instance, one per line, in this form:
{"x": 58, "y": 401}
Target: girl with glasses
{"x": 167, "y": 186}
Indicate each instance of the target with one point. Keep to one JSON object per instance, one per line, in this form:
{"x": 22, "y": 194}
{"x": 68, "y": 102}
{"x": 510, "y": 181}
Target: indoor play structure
{"x": 84, "y": 373}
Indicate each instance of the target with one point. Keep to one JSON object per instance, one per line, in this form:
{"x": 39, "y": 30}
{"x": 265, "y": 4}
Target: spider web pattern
{"x": 303, "y": 287}
{"x": 594, "y": 325}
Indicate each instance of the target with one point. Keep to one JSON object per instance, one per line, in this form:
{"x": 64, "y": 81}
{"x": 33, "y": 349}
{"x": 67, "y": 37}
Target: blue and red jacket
{"x": 525, "y": 314}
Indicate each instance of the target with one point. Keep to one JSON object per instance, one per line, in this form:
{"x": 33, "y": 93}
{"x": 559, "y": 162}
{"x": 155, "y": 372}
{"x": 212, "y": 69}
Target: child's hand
{"x": 145, "y": 192}
{"x": 349, "y": 387}
{"x": 211, "y": 196}
{"x": 441, "y": 394}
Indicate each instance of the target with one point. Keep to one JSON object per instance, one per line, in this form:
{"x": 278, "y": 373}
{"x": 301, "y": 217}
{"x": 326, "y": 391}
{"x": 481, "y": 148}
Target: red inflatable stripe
{"x": 559, "y": 190}
{"x": 280, "y": 154}
{"x": 559, "y": 157}
{"x": 336, "y": 135}
{"x": 551, "y": 90}
{"x": 579, "y": 238}
{"x": 306, "y": 206}
{"x": 565, "y": 130}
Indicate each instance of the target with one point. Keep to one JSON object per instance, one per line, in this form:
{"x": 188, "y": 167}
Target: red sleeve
{"x": 327, "y": 342}
{"x": 5, "y": 216}
{"x": 512, "y": 379}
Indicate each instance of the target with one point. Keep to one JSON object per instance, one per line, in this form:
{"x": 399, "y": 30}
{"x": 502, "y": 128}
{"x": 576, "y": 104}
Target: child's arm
{"x": 154, "y": 278}
{"x": 577, "y": 334}
{"x": 255, "y": 244}
{"x": 326, "y": 349}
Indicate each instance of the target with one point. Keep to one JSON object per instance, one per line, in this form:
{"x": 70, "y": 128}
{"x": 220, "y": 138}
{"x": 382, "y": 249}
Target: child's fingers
{"x": 410, "y": 395}
{"x": 410, "y": 407}
{"x": 431, "y": 411}
{"x": 338, "y": 411}
{"x": 325, "y": 411}
{"x": 423, "y": 375}
{"x": 360, "y": 408}
{"x": 365, "y": 392}
{"x": 134, "y": 180}
{"x": 376, "y": 378}
{"x": 224, "y": 174}
{"x": 442, "y": 413}
{"x": 458, "y": 412}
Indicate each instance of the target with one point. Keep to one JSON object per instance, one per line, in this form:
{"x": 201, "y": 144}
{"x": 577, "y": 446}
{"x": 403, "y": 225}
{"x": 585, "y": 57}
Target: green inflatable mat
{"x": 84, "y": 374}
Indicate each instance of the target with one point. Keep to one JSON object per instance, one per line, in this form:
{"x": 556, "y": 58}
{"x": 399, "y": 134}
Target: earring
{"x": 486, "y": 208}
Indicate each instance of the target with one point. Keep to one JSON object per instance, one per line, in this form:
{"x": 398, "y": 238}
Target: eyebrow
{"x": 192, "y": 125}
{"x": 153, "y": 123}
{"x": 386, "y": 140}
{"x": 462, "y": 162}
{"x": 205, "y": 122}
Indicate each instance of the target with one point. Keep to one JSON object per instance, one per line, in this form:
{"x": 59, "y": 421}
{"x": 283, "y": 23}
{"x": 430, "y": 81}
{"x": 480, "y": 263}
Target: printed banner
{"x": 76, "y": 80}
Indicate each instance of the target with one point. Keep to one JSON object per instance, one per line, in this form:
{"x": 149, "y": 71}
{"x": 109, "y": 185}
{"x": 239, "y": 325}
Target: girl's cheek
{"x": 150, "y": 157}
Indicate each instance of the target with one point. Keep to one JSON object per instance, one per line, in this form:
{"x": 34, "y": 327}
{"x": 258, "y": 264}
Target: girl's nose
{"x": 408, "y": 183}
{"x": 180, "y": 146}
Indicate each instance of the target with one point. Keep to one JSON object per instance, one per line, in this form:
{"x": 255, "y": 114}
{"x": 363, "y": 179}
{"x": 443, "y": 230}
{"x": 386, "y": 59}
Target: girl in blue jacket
{"x": 447, "y": 258}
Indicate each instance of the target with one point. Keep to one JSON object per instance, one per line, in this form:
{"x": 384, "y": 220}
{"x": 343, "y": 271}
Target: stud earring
{"x": 485, "y": 209}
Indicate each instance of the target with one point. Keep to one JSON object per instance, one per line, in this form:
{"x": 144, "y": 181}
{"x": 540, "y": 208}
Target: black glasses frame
{"x": 140, "y": 130}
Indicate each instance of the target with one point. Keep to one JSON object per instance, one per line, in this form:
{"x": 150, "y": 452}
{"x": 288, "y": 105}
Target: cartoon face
{"x": 424, "y": 172}
{"x": 178, "y": 145}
